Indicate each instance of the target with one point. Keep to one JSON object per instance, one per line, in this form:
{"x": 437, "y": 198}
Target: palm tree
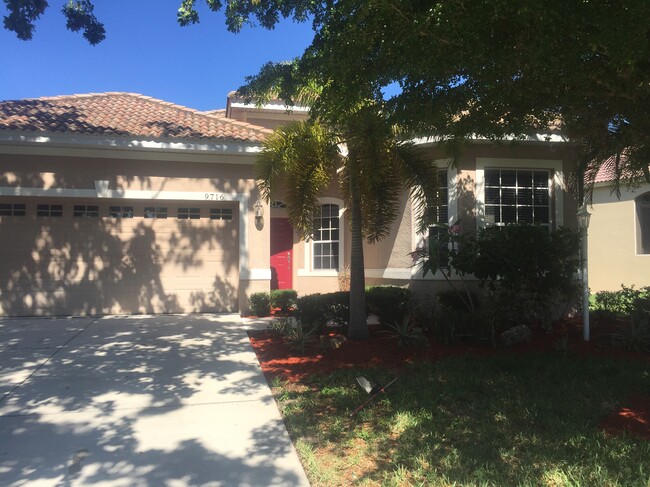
{"x": 372, "y": 167}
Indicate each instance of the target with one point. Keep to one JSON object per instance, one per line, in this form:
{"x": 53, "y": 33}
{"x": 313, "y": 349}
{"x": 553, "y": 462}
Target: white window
{"x": 442, "y": 214}
{"x": 189, "y": 213}
{"x": 499, "y": 209}
{"x": 155, "y": 212}
{"x": 643, "y": 223}
{"x": 49, "y": 210}
{"x": 323, "y": 255}
{"x": 517, "y": 196}
{"x": 85, "y": 211}
{"x": 120, "y": 211}
{"x": 12, "y": 209}
{"x": 220, "y": 214}
{"x": 326, "y": 238}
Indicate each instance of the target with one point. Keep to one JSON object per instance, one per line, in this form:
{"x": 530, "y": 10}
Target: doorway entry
{"x": 281, "y": 254}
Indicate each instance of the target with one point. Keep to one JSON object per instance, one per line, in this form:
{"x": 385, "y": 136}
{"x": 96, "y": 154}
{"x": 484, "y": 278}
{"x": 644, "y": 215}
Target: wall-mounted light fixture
{"x": 259, "y": 210}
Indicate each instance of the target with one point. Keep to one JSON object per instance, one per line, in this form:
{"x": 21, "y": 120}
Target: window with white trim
{"x": 442, "y": 214}
{"x": 517, "y": 196}
{"x": 120, "y": 211}
{"x": 85, "y": 211}
{"x": 155, "y": 212}
{"x": 642, "y": 204}
{"x": 325, "y": 244}
{"x": 49, "y": 210}
{"x": 12, "y": 209}
{"x": 189, "y": 213}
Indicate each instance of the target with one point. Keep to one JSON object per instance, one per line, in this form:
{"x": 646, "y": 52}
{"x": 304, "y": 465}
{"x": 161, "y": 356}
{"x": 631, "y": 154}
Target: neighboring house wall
{"x": 618, "y": 239}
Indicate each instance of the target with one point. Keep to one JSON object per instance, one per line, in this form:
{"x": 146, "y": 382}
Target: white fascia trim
{"x": 23, "y": 141}
{"x": 399, "y": 273}
{"x": 558, "y": 183}
{"x": 124, "y": 194}
{"x": 255, "y": 274}
{"x": 404, "y": 274}
{"x": 307, "y": 270}
{"x": 553, "y": 138}
{"x": 279, "y": 105}
{"x": 321, "y": 273}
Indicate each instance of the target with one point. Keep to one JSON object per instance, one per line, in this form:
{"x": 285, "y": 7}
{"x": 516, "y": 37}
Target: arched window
{"x": 643, "y": 223}
{"x": 326, "y": 242}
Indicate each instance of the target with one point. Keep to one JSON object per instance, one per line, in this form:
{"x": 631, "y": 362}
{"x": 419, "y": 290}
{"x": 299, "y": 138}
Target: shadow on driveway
{"x": 167, "y": 400}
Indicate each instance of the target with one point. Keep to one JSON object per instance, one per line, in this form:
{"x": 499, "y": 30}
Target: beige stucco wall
{"x": 613, "y": 257}
{"x": 388, "y": 261}
{"x": 227, "y": 174}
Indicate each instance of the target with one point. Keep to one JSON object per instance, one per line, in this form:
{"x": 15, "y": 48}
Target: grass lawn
{"x": 500, "y": 420}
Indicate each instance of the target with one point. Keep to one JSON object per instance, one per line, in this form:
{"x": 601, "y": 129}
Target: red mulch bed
{"x": 633, "y": 418}
{"x": 279, "y": 359}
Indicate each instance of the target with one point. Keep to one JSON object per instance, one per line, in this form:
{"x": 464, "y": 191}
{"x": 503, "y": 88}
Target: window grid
{"x": 220, "y": 214}
{"x": 12, "y": 209}
{"x": 85, "y": 211}
{"x": 155, "y": 212}
{"x": 120, "y": 211}
{"x": 49, "y": 210}
{"x": 442, "y": 218}
{"x": 326, "y": 238}
{"x": 517, "y": 196}
{"x": 189, "y": 213}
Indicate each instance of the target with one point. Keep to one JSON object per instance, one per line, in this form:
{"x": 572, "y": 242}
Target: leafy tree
{"x": 487, "y": 68}
{"x": 304, "y": 158}
{"x": 490, "y": 68}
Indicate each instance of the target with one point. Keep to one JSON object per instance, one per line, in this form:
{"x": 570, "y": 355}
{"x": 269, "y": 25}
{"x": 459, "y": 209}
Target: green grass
{"x": 497, "y": 421}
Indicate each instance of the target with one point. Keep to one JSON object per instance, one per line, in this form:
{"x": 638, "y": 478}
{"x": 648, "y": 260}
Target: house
{"x": 121, "y": 203}
{"x": 619, "y": 234}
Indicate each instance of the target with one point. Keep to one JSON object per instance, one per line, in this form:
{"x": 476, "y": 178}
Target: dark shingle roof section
{"x": 123, "y": 114}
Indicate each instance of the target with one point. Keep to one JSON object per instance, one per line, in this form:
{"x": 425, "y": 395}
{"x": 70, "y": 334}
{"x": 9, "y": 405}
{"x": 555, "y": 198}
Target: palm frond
{"x": 301, "y": 157}
{"x": 420, "y": 176}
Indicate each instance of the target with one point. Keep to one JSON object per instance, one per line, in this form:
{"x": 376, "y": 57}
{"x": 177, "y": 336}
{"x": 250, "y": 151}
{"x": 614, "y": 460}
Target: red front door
{"x": 281, "y": 253}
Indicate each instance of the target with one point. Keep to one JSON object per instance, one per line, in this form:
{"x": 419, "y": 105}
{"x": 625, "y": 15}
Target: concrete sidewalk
{"x": 174, "y": 400}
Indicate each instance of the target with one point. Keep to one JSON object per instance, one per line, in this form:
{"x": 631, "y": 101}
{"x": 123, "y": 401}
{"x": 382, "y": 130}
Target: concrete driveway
{"x": 173, "y": 400}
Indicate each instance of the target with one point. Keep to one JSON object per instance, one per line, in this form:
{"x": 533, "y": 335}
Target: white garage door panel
{"x": 73, "y": 265}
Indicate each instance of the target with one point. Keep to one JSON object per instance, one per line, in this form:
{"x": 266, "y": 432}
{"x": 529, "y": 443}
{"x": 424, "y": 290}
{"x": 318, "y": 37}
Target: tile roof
{"x": 606, "y": 170}
{"x": 123, "y": 114}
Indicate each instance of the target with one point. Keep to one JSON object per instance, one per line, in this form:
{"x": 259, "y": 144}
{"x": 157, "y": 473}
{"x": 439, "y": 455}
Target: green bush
{"x": 260, "y": 304}
{"x": 624, "y": 302}
{"x": 389, "y": 303}
{"x": 319, "y": 309}
{"x": 311, "y": 309}
{"x": 529, "y": 272}
{"x": 284, "y": 299}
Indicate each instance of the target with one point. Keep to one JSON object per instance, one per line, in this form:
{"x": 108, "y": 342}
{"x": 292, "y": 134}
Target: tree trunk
{"x": 358, "y": 325}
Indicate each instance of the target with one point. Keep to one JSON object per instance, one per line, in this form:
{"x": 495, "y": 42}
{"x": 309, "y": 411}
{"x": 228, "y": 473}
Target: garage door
{"x": 64, "y": 256}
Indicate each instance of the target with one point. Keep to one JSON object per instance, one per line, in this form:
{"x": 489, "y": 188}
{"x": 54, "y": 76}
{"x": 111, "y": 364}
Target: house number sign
{"x": 214, "y": 196}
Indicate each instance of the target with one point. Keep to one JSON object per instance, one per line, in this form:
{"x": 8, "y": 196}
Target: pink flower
{"x": 456, "y": 229}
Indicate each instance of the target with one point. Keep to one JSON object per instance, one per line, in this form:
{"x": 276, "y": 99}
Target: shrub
{"x": 389, "y": 303}
{"x": 284, "y": 299}
{"x": 406, "y": 332}
{"x": 320, "y": 309}
{"x": 623, "y": 302}
{"x": 311, "y": 309}
{"x": 260, "y": 304}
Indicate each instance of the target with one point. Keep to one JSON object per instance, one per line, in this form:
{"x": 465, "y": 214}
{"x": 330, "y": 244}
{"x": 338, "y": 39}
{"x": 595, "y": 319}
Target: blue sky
{"x": 145, "y": 52}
